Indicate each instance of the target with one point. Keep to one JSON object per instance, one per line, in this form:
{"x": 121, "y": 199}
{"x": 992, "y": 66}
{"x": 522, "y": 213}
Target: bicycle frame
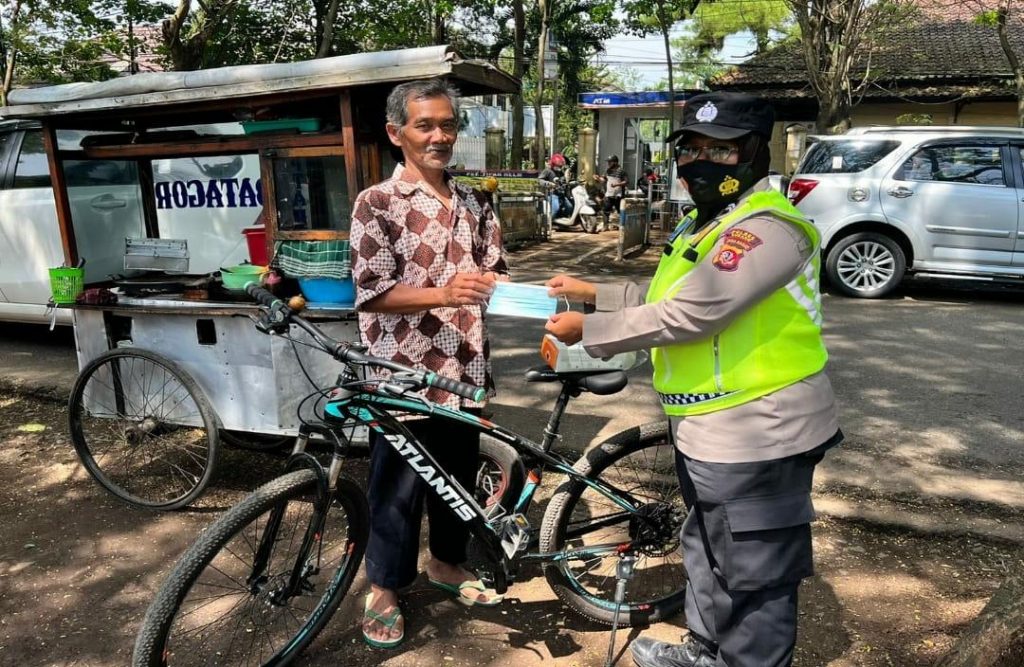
{"x": 496, "y": 534}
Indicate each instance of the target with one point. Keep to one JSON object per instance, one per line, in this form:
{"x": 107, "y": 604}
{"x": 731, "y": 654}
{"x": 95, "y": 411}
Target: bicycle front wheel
{"x": 217, "y": 608}
{"x": 143, "y": 429}
{"x": 639, "y": 463}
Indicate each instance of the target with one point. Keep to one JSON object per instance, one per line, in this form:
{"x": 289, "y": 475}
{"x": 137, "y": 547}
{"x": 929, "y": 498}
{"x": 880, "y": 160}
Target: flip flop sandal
{"x": 493, "y": 599}
{"x": 388, "y": 620}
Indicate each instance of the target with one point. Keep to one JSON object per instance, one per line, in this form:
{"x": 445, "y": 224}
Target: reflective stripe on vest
{"x": 771, "y": 345}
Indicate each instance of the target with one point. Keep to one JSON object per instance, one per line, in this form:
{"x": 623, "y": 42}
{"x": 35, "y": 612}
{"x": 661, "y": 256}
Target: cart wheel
{"x": 257, "y": 442}
{"x": 143, "y": 429}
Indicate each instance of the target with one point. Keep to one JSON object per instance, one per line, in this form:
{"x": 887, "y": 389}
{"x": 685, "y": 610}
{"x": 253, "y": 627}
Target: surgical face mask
{"x": 516, "y": 300}
{"x": 713, "y": 185}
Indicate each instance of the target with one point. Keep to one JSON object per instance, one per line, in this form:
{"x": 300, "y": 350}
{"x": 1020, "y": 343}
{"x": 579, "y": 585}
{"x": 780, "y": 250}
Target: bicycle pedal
{"x": 515, "y": 535}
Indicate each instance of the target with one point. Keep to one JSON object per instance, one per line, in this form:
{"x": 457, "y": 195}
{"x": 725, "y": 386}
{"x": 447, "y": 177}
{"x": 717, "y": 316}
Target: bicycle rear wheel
{"x": 143, "y": 429}
{"x": 213, "y": 609}
{"x": 639, "y": 463}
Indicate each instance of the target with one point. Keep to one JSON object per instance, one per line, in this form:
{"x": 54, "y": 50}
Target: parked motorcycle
{"x": 578, "y": 208}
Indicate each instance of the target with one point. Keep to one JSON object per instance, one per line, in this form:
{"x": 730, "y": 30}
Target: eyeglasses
{"x": 714, "y": 153}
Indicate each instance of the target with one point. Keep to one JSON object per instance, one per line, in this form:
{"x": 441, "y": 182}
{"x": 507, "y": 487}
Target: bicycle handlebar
{"x": 462, "y": 389}
{"x": 348, "y": 354}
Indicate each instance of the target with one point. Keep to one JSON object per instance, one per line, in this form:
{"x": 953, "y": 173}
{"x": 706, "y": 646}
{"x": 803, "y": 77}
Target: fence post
{"x": 494, "y": 152}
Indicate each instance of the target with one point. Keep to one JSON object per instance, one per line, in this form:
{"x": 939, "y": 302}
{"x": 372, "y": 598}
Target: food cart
{"x": 169, "y": 357}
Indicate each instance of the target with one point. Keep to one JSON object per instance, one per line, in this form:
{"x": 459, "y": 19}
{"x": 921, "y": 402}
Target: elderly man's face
{"x": 427, "y": 138}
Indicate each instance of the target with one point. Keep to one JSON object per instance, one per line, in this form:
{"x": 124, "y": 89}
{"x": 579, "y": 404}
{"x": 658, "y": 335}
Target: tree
{"x": 645, "y": 16}
{"x": 55, "y": 41}
{"x": 837, "y": 38}
{"x": 1002, "y": 18}
{"x": 186, "y": 33}
{"x": 695, "y": 63}
{"x": 714, "y": 21}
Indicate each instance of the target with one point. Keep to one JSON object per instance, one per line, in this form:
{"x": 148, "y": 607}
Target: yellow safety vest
{"x": 773, "y": 344}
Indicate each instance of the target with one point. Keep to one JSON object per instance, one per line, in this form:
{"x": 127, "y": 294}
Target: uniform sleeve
{"x": 616, "y": 296}
{"x": 751, "y": 259}
{"x": 374, "y": 270}
{"x": 494, "y": 249}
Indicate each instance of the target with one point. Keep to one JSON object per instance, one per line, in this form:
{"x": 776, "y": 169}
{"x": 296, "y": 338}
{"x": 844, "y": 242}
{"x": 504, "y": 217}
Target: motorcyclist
{"x": 552, "y": 179}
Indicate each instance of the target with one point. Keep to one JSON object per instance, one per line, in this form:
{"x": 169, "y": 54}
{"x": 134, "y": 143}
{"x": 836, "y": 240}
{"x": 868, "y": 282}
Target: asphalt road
{"x": 929, "y": 384}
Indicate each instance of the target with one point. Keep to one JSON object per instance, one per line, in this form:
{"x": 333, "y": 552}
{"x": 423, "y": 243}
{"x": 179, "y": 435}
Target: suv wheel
{"x": 866, "y": 265}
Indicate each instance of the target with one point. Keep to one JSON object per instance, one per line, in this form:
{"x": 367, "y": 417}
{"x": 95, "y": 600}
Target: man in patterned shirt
{"x": 427, "y": 252}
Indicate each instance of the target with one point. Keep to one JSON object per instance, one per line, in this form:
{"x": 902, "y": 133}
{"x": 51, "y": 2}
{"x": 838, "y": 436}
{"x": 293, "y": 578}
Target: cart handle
{"x": 349, "y": 354}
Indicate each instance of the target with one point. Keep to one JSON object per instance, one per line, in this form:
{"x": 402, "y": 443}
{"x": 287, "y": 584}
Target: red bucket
{"x": 256, "y": 238}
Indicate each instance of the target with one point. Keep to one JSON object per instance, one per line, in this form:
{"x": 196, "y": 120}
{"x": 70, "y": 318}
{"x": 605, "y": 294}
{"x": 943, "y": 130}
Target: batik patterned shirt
{"x": 402, "y": 233}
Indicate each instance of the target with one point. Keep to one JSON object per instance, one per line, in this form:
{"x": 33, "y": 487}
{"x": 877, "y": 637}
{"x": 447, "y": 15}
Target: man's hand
{"x": 572, "y": 288}
{"x": 566, "y": 327}
{"x": 468, "y": 289}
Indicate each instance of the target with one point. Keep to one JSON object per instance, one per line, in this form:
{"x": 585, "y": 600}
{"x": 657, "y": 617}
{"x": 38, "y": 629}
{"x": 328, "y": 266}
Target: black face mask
{"x": 714, "y": 186}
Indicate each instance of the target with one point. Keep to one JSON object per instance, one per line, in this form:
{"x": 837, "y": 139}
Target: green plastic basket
{"x": 66, "y": 284}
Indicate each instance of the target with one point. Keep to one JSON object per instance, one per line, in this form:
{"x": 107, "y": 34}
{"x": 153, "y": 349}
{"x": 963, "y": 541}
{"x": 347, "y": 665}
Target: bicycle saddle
{"x": 601, "y": 383}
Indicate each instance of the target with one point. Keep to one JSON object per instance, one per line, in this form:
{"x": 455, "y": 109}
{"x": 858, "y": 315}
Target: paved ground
{"x": 922, "y": 509}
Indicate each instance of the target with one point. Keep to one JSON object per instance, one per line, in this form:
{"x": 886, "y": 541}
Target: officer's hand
{"x": 566, "y": 327}
{"x": 572, "y": 288}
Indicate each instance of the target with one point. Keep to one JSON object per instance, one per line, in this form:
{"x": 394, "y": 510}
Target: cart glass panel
{"x": 311, "y": 193}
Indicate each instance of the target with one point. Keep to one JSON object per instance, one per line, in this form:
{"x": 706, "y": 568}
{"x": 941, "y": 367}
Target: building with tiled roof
{"x": 942, "y": 64}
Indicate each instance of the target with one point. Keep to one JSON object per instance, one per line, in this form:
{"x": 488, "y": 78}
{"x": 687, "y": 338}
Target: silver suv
{"x": 889, "y": 201}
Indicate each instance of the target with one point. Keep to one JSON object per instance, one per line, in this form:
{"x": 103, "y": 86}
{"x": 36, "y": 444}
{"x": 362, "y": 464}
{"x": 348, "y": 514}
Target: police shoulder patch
{"x": 734, "y": 245}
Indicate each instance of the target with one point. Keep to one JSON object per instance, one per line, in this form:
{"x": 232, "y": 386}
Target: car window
{"x": 955, "y": 164}
{"x": 845, "y": 157}
{"x": 32, "y": 170}
{"x": 83, "y": 173}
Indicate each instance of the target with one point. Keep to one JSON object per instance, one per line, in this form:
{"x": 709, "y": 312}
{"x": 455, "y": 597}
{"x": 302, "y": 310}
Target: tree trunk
{"x": 11, "y": 53}
{"x": 665, "y": 27}
{"x": 540, "y": 144}
{"x": 518, "y": 66}
{"x": 331, "y": 16}
{"x": 996, "y": 637}
{"x": 1002, "y": 14}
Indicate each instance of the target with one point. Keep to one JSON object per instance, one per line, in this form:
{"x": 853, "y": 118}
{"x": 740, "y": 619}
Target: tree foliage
{"x": 646, "y": 16}
{"x": 714, "y": 21}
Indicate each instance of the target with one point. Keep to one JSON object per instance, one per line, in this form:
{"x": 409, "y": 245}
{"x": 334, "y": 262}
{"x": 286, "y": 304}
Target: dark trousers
{"x": 396, "y": 494}
{"x": 746, "y": 546}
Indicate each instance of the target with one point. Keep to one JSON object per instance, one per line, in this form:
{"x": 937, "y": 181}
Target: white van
{"x": 206, "y": 200}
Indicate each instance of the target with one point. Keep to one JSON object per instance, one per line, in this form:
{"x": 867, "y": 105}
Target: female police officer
{"x": 733, "y": 315}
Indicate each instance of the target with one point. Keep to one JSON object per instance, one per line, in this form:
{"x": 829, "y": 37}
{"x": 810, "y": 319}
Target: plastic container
{"x": 334, "y": 291}
{"x": 66, "y": 283}
{"x": 300, "y": 124}
{"x": 237, "y": 277}
{"x": 256, "y": 239}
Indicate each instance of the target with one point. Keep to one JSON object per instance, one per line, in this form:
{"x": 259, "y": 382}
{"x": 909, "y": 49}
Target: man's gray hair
{"x": 421, "y": 89}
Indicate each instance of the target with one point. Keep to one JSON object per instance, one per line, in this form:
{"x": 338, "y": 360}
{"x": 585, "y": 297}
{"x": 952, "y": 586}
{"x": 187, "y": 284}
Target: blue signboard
{"x": 642, "y": 99}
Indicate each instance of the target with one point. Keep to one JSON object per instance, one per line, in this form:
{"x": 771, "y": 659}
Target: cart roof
{"x": 159, "y": 93}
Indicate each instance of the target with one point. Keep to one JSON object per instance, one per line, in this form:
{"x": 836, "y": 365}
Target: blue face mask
{"x": 517, "y": 300}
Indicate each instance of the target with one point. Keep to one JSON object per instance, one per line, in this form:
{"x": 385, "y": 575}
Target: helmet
{"x": 489, "y": 184}
{"x": 557, "y": 160}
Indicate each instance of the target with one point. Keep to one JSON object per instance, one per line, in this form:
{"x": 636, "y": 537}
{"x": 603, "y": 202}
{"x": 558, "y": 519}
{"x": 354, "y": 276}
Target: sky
{"x": 646, "y": 55}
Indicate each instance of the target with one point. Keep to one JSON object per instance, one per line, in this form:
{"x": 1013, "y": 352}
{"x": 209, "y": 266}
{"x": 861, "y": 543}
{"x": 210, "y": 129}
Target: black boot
{"x": 693, "y": 652}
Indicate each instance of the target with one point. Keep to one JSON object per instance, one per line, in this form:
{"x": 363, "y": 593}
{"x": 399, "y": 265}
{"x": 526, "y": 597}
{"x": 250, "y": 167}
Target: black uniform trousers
{"x": 396, "y": 494}
{"x": 746, "y": 546}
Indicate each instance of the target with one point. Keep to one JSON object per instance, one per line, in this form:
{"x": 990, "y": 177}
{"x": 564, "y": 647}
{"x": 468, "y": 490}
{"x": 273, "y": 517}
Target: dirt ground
{"x": 78, "y": 568}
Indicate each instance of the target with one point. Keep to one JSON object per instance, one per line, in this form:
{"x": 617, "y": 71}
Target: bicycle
{"x": 262, "y": 581}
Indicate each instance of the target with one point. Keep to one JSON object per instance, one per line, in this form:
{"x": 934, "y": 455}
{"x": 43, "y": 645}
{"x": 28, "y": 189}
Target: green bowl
{"x": 237, "y": 277}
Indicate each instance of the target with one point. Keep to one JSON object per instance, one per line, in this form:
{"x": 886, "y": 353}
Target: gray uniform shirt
{"x": 790, "y": 421}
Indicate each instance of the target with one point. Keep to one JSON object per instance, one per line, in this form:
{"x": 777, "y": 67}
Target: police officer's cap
{"x": 726, "y": 116}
